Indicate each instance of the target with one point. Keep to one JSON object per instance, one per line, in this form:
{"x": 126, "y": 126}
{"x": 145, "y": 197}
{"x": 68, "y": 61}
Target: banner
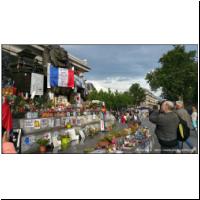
{"x": 37, "y": 84}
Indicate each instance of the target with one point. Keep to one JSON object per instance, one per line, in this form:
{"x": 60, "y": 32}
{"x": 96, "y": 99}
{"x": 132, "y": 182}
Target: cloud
{"x": 118, "y": 66}
{"x": 123, "y": 85}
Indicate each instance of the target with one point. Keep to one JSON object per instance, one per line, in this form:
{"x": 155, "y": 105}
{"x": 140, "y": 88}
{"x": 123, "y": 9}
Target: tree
{"x": 137, "y": 93}
{"x": 119, "y": 100}
{"x": 177, "y": 76}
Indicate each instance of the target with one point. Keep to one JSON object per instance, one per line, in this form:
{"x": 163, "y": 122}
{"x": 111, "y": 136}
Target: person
{"x": 166, "y": 126}
{"x": 6, "y": 116}
{"x": 194, "y": 118}
{"x": 123, "y": 118}
{"x": 184, "y": 115}
{"x": 7, "y": 146}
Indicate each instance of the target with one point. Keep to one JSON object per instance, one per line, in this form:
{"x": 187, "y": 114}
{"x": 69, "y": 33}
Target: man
{"x": 184, "y": 115}
{"x": 166, "y": 126}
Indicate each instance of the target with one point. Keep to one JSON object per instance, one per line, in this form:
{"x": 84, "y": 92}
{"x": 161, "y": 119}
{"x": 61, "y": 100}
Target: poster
{"x": 37, "y": 84}
{"x": 37, "y": 123}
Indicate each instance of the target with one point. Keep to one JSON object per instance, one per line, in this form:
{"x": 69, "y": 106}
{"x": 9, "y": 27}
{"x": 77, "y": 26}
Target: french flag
{"x": 59, "y": 77}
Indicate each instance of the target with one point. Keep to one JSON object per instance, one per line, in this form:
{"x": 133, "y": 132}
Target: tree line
{"x": 120, "y": 100}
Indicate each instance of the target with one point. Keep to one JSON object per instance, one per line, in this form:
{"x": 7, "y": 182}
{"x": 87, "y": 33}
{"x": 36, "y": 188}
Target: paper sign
{"x": 44, "y": 123}
{"x": 55, "y": 141}
{"x": 57, "y": 122}
{"x": 72, "y": 134}
{"x": 63, "y": 78}
{"x": 67, "y": 120}
{"x": 28, "y": 123}
{"x": 78, "y": 121}
{"x": 37, "y": 83}
{"x": 51, "y": 122}
{"x": 82, "y": 134}
{"x": 102, "y": 125}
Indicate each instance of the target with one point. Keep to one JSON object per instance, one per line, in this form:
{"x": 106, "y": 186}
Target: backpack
{"x": 183, "y": 131}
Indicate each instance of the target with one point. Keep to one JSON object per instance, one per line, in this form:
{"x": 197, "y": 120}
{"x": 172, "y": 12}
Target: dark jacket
{"x": 166, "y": 126}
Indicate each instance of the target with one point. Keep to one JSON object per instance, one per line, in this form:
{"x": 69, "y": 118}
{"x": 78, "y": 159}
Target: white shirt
{"x": 194, "y": 116}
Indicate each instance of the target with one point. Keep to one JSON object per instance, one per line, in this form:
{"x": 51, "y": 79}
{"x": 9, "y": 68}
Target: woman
{"x": 7, "y": 146}
{"x": 194, "y": 118}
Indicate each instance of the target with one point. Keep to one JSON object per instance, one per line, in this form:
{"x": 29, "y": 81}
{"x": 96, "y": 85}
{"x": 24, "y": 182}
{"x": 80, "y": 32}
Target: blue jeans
{"x": 188, "y": 142}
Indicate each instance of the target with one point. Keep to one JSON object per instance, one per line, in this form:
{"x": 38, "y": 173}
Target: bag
{"x": 183, "y": 131}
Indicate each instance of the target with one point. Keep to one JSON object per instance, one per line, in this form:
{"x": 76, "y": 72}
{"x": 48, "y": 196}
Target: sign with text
{"x": 37, "y": 84}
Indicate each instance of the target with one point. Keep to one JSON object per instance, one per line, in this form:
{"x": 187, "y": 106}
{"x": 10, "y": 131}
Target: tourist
{"x": 194, "y": 118}
{"x": 184, "y": 115}
{"x": 166, "y": 126}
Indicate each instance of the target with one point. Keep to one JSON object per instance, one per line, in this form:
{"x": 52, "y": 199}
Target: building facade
{"x": 150, "y": 100}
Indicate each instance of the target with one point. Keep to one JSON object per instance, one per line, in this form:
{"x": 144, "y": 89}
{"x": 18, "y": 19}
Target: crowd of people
{"x": 167, "y": 117}
{"x": 127, "y": 116}
{"x": 167, "y": 120}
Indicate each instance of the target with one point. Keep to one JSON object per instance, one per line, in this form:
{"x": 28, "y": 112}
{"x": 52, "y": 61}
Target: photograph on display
{"x": 99, "y": 99}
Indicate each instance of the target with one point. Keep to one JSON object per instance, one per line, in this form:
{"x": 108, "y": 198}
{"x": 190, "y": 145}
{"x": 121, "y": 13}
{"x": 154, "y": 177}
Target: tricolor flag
{"x": 59, "y": 77}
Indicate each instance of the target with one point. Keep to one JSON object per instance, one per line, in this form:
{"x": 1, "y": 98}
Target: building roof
{"x": 38, "y": 50}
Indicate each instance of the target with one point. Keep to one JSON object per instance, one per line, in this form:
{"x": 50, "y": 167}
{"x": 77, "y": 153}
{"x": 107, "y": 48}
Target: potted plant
{"x": 43, "y": 144}
{"x": 65, "y": 140}
{"x": 68, "y": 126}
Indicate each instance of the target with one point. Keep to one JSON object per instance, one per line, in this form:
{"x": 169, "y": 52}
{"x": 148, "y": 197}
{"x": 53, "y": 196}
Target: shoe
{"x": 194, "y": 150}
{"x": 178, "y": 151}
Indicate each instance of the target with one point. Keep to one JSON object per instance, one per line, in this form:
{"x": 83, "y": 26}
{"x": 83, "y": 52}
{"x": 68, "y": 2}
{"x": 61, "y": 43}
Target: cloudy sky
{"x": 118, "y": 66}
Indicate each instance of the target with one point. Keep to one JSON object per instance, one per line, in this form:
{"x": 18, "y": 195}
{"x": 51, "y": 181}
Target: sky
{"x": 119, "y": 66}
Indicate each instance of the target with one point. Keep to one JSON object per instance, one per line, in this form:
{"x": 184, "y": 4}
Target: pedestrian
{"x": 184, "y": 115}
{"x": 166, "y": 126}
{"x": 123, "y": 118}
{"x": 194, "y": 117}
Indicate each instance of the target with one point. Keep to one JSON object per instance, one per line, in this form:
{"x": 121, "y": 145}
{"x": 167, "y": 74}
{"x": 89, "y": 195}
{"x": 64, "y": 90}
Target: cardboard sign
{"x": 37, "y": 83}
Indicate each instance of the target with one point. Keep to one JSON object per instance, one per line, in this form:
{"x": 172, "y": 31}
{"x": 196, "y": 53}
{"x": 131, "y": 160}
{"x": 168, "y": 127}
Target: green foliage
{"x": 42, "y": 141}
{"x": 137, "y": 93}
{"x": 118, "y": 100}
{"x": 177, "y": 76}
